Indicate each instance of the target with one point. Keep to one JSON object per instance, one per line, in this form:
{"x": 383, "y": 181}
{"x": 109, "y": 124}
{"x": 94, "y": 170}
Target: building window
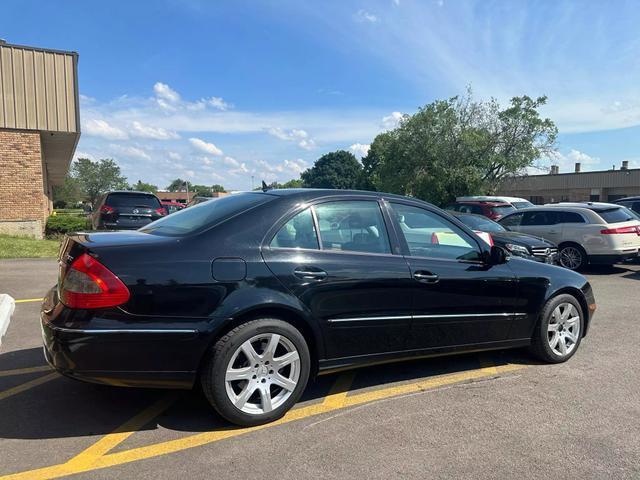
{"x": 594, "y": 198}
{"x": 536, "y": 200}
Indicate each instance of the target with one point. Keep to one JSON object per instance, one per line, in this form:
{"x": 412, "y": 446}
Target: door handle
{"x": 425, "y": 277}
{"x": 309, "y": 274}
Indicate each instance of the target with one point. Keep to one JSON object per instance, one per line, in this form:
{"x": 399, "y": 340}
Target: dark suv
{"x": 493, "y": 210}
{"x": 632, "y": 203}
{"x": 126, "y": 210}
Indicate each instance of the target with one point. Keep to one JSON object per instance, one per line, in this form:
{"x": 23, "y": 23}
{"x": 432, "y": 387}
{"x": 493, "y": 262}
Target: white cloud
{"x": 101, "y": 128}
{"x": 219, "y": 103}
{"x": 166, "y": 97}
{"x": 301, "y": 137}
{"x": 392, "y": 121}
{"x": 566, "y": 163}
{"x": 242, "y": 168}
{"x": 174, "y": 155}
{"x": 156, "y": 133}
{"x": 205, "y": 147}
{"x": 359, "y": 150}
{"x": 130, "y": 151}
{"x": 80, "y": 154}
{"x": 296, "y": 166}
{"x": 364, "y": 16}
{"x": 231, "y": 161}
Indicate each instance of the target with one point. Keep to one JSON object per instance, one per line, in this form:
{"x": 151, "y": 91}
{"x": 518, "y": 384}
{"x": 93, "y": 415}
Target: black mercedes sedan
{"x": 515, "y": 243}
{"x": 263, "y": 290}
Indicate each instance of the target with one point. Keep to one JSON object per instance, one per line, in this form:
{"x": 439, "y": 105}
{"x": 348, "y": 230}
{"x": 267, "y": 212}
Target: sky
{"x": 235, "y": 92}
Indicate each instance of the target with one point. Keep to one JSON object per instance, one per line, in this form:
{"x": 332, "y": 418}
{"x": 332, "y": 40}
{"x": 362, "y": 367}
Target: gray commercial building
{"x": 576, "y": 186}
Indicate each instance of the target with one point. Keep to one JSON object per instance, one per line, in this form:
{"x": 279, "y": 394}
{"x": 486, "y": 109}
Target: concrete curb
{"x": 7, "y": 306}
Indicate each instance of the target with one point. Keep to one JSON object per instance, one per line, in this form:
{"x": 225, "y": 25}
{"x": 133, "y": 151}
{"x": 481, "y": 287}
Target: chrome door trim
{"x": 418, "y": 317}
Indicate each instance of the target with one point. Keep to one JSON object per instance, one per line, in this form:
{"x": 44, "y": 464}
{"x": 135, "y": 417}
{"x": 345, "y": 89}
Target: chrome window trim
{"x": 418, "y": 317}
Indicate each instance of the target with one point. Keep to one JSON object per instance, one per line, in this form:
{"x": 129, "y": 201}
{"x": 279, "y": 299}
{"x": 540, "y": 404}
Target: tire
{"x": 573, "y": 257}
{"x": 552, "y": 333}
{"x": 253, "y": 393}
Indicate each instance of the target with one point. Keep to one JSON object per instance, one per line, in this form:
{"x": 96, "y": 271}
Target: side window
{"x": 570, "y": 217}
{"x": 299, "y": 232}
{"x": 539, "y": 218}
{"x": 355, "y": 226}
{"x": 636, "y": 207}
{"x": 429, "y": 235}
{"x": 512, "y": 220}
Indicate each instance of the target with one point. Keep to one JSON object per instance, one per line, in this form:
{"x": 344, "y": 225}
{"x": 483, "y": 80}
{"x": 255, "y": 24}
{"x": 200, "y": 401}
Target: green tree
{"x": 339, "y": 169}
{"x": 144, "y": 187}
{"x": 217, "y": 188}
{"x": 68, "y": 194}
{"x": 200, "y": 190}
{"x": 96, "y": 178}
{"x": 293, "y": 183}
{"x": 177, "y": 185}
{"x": 459, "y": 147}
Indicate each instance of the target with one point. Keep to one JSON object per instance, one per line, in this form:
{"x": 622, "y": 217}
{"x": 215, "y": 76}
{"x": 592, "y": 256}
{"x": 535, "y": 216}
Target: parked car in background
{"x": 126, "y": 210}
{"x": 590, "y": 232}
{"x": 173, "y": 207}
{"x": 492, "y": 210}
{"x": 515, "y": 243}
{"x": 267, "y": 289}
{"x": 517, "y": 202}
{"x": 198, "y": 200}
{"x": 632, "y": 203}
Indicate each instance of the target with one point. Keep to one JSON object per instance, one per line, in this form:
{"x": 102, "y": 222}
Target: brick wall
{"x": 24, "y": 205}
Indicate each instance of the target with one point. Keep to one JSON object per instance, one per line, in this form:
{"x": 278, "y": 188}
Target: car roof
{"x": 311, "y": 193}
{"x": 491, "y": 198}
{"x": 483, "y": 202}
{"x": 595, "y": 206}
{"x": 628, "y": 198}
{"x": 131, "y": 191}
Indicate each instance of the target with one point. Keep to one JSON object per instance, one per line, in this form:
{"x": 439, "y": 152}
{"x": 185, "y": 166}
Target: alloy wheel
{"x": 262, "y": 373}
{"x": 571, "y": 258}
{"x": 564, "y": 329}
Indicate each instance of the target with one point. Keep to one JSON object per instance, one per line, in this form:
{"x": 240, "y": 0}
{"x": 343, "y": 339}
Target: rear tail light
{"x": 89, "y": 284}
{"x": 621, "y": 230}
{"x": 106, "y": 209}
{"x": 161, "y": 211}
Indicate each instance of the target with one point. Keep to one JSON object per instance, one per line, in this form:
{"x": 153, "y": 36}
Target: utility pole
{"x": 251, "y": 182}
{"x": 187, "y": 184}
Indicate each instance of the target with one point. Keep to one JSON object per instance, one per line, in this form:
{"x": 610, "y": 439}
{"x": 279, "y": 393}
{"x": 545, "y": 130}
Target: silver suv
{"x": 593, "y": 232}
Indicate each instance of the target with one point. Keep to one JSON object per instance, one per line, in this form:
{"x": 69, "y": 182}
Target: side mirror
{"x": 497, "y": 256}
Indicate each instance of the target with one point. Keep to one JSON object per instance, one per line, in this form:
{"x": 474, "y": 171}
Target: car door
{"x": 457, "y": 299}
{"x": 542, "y": 223}
{"x": 336, "y": 257}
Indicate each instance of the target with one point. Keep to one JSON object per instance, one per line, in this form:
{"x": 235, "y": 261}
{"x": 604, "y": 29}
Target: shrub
{"x": 58, "y": 225}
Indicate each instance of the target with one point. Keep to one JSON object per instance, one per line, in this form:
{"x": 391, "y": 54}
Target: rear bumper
{"x": 124, "y": 354}
{"x": 613, "y": 258}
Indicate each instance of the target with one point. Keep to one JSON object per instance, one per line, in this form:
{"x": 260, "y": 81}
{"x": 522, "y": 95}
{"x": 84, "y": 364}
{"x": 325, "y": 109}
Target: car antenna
{"x": 265, "y": 187}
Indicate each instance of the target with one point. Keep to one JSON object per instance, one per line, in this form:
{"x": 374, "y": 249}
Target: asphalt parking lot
{"x": 498, "y": 415}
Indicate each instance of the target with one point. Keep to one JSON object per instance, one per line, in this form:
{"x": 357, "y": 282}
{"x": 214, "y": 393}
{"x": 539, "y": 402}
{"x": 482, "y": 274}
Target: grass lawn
{"x": 24, "y": 247}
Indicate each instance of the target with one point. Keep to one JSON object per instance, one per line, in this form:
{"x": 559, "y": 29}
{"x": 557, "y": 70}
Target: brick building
{"x": 39, "y": 131}
{"x": 576, "y": 186}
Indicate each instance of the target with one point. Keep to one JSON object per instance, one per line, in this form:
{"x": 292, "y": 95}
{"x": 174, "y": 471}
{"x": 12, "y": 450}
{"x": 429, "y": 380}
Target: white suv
{"x": 516, "y": 202}
{"x": 591, "y": 232}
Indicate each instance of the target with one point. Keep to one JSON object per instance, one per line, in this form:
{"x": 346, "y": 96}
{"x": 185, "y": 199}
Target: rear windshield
{"x": 131, "y": 200}
{"x": 616, "y": 215}
{"x": 204, "y": 215}
{"x": 503, "y": 209}
{"x": 520, "y": 205}
{"x": 481, "y": 223}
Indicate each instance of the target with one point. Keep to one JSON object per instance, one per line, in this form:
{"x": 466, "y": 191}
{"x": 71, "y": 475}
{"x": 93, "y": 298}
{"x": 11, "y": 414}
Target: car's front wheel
{"x": 559, "y": 330}
{"x": 255, "y": 373}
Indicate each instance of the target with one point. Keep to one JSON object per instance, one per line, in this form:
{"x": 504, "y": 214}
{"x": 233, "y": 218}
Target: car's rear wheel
{"x": 558, "y": 333}
{"x": 572, "y": 257}
{"x": 255, "y": 373}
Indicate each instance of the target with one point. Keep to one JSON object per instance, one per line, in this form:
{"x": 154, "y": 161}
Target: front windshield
{"x": 481, "y": 223}
{"x": 523, "y": 204}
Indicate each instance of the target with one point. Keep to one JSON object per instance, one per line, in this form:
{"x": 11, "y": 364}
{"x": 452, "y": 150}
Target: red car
{"x": 172, "y": 207}
{"x": 492, "y": 210}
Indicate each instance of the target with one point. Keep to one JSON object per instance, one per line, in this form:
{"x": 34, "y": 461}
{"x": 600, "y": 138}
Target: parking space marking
{"x": 339, "y": 390}
{"x": 23, "y": 371}
{"x": 27, "y": 385}
{"x": 25, "y": 300}
{"x": 107, "y": 443}
{"x": 204, "y": 438}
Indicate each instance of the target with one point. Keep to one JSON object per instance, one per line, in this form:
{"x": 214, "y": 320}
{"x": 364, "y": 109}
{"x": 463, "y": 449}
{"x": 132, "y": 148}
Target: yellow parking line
{"x": 23, "y": 371}
{"x": 338, "y": 394}
{"x": 25, "y": 300}
{"x": 27, "y": 385}
{"x": 199, "y": 439}
{"x": 86, "y": 458}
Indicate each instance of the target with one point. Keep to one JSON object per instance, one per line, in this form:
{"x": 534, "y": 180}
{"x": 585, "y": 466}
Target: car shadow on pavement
{"x": 62, "y": 407}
